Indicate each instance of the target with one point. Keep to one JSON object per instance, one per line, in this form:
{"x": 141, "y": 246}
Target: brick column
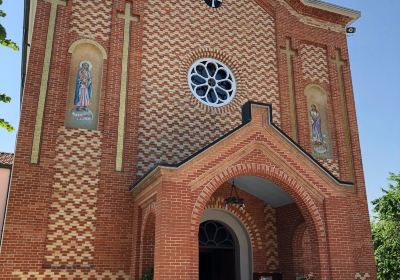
{"x": 176, "y": 249}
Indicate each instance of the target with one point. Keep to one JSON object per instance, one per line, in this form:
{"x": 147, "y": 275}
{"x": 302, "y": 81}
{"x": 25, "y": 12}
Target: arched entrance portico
{"x": 242, "y": 245}
{"x": 301, "y": 200}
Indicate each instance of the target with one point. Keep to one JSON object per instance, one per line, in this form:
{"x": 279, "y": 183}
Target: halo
{"x": 88, "y": 62}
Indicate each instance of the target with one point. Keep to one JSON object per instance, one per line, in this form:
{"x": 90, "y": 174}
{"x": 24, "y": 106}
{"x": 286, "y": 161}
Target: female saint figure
{"x": 83, "y": 90}
{"x": 317, "y": 137}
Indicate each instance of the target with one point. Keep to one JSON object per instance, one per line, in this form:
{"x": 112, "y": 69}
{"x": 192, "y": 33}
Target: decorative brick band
{"x": 76, "y": 274}
{"x": 361, "y": 276}
{"x": 271, "y": 237}
{"x": 332, "y": 165}
{"x": 245, "y": 217}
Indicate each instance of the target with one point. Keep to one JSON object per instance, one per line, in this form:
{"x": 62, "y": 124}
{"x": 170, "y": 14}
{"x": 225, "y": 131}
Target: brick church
{"x": 194, "y": 139}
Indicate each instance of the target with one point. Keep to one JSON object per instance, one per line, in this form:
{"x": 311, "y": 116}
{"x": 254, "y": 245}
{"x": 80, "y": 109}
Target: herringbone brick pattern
{"x": 92, "y": 19}
{"x": 173, "y": 126}
{"x": 72, "y": 213}
{"x": 271, "y": 238}
{"x": 314, "y": 63}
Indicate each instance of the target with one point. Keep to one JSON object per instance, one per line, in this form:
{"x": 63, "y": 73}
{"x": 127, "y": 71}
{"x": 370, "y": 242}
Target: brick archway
{"x": 243, "y": 216}
{"x": 299, "y": 194}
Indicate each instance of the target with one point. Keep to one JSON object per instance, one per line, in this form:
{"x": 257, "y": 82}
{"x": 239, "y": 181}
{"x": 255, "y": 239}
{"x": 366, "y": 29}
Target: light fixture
{"x": 234, "y": 198}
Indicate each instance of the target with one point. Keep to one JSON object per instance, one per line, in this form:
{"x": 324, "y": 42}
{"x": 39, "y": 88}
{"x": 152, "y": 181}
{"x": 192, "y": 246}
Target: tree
{"x": 9, "y": 44}
{"x": 386, "y": 230}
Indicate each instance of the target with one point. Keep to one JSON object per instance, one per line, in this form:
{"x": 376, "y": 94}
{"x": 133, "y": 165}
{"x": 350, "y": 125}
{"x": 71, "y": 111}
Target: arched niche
{"x": 317, "y": 104}
{"x": 84, "y": 84}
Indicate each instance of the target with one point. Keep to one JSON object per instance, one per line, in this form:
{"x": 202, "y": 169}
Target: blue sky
{"x": 375, "y": 59}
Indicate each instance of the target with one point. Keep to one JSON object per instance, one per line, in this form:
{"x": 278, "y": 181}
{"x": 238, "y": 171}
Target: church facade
{"x": 199, "y": 139}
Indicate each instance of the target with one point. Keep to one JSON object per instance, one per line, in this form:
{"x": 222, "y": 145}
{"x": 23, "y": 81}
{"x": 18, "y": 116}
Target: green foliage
{"x": 3, "y": 123}
{"x": 3, "y": 34}
{"x": 148, "y": 275}
{"x": 10, "y": 44}
{"x": 386, "y": 231}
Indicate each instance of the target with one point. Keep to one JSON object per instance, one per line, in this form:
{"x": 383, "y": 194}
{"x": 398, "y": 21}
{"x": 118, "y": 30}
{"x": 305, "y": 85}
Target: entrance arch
{"x": 297, "y": 191}
{"x": 244, "y": 255}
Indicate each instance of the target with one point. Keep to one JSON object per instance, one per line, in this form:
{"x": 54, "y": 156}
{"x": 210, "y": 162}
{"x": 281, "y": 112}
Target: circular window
{"x": 212, "y": 82}
{"x": 214, "y": 3}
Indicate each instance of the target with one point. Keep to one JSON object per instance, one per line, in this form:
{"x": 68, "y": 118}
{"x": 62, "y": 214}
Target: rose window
{"x": 212, "y": 82}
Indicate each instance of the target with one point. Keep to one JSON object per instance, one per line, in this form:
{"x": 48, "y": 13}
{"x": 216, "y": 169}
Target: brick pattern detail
{"x": 171, "y": 126}
{"x": 271, "y": 238}
{"x": 362, "y": 276}
{"x": 314, "y": 64}
{"x": 332, "y": 165}
{"x": 6, "y": 158}
{"x": 76, "y": 274}
{"x": 243, "y": 216}
{"x": 92, "y": 19}
{"x": 73, "y": 210}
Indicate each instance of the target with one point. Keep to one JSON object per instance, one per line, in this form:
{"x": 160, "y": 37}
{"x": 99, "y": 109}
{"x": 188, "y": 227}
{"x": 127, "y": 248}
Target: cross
{"x": 288, "y": 50}
{"x": 338, "y": 61}
{"x": 127, "y": 15}
{"x": 124, "y": 83}
{"x": 37, "y": 135}
{"x": 290, "y": 53}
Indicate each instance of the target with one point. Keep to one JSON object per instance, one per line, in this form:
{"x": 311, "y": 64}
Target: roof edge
{"x": 333, "y": 8}
{"x": 246, "y": 118}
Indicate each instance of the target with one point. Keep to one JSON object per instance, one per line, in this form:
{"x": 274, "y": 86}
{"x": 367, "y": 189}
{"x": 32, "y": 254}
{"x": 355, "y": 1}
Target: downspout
{"x": 25, "y": 46}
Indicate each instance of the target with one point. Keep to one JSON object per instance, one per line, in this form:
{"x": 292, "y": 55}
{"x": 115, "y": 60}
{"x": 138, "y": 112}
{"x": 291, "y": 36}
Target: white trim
{"x": 75, "y": 44}
{"x": 353, "y": 14}
{"x": 245, "y": 248}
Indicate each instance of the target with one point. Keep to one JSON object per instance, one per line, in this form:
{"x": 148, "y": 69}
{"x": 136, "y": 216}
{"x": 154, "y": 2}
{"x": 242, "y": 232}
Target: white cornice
{"x": 353, "y": 14}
